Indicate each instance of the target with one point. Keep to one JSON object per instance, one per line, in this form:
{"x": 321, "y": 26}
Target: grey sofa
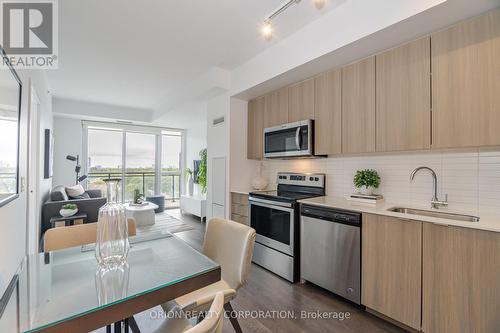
{"x": 59, "y": 197}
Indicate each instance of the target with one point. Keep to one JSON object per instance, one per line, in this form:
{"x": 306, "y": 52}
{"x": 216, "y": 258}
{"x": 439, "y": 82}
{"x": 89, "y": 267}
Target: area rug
{"x": 164, "y": 222}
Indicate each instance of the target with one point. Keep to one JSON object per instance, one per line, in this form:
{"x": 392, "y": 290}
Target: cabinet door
{"x": 328, "y": 113}
{"x": 392, "y": 266}
{"x": 358, "y": 107}
{"x": 465, "y": 83}
{"x": 276, "y": 108}
{"x": 255, "y": 129}
{"x": 461, "y": 278}
{"x": 301, "y": 101}
{"x": 403, "y": 110}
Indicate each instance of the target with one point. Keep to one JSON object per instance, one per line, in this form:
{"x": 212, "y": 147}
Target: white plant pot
{"x": 190, "y": 186}
{"x": 366, "y": 190}
{"x": 68, "y": 212}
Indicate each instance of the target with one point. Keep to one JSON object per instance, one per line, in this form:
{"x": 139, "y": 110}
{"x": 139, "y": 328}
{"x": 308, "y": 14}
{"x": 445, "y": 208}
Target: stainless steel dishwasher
{"x": 330, "y": 250}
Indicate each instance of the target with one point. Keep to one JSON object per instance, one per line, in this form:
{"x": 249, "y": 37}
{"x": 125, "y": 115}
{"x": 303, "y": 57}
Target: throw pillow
{"x": 85, "y": 195}
{"x": 74, "y": 191}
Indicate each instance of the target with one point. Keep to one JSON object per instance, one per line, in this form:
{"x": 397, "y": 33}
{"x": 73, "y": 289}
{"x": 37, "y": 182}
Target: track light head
{"x": 267, "y": 30}
{"x": 319, "y": 4}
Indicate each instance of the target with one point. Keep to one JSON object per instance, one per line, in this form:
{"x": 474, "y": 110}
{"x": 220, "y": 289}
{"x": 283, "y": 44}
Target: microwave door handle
{"x": 297, "y": 138}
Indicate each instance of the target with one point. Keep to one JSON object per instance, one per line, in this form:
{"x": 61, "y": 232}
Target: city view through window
{"x": 133, "y": 157}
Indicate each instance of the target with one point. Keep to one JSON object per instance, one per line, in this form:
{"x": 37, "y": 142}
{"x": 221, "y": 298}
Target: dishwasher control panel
{"x": 333, "y": 215}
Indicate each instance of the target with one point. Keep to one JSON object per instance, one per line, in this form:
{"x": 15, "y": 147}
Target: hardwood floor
{"x": 274, "y": 296}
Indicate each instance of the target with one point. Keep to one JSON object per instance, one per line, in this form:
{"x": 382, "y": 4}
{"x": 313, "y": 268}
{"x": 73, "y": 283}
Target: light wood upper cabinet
{"x": 255, "y": 128}
{"x": 358, "y": 107}
{"x": 403, "y": 112}
{"x": 392, "y": 266}
{"x": 466, "y": 84}
{"x": 461, "y": 278}
{"x": 276, "y": 108}
{"x": 301, "y": 101}
{"x": 328, "y": 113}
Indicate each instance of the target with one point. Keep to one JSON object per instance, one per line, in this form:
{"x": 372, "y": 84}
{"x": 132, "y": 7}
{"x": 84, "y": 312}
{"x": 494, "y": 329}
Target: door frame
{"x": 34, "y": 142}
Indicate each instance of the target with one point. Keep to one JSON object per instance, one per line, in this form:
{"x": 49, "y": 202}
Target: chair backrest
{"x": 75, "y": 235}
{"x": 230, "y": 244}
{"x": 212, "y": 323}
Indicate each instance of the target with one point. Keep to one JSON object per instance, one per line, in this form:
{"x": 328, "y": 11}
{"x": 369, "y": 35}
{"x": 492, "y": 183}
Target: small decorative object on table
{"x": 138, "y": 198}
{"x": 68, "y": 210}
{"x": 112, "y": 244}
{"x": 366, "y": 181}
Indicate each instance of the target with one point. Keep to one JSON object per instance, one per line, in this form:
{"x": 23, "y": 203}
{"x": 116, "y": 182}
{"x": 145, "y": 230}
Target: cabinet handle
{"x": 441, "y": 224}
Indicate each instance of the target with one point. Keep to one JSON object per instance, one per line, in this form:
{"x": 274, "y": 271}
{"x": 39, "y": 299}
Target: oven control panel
{"x": 302, "y": 179}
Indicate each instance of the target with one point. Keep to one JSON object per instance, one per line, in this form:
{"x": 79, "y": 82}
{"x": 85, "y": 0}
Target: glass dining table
{"x": 67, "y": 291}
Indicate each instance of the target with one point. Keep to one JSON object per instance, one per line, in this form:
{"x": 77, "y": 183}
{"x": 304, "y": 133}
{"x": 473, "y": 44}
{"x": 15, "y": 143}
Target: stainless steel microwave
{"x": 289, "y": 140}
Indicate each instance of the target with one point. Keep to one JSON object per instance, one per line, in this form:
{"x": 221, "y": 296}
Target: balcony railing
{"x": 8, "y": 182}
{"x": 144, "y": 182}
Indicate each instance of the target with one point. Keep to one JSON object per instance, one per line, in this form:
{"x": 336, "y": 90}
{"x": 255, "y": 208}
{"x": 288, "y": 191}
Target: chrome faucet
{"x": 435, "y": 202}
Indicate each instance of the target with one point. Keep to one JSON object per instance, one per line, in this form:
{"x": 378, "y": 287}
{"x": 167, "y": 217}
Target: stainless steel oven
{"x": 289, "y": 140}
{"x": 275, "y": 217}
{"x": 274, "y": 223}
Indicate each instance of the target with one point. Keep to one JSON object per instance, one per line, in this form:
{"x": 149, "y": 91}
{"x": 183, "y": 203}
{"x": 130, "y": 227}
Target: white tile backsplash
{"x": 471, "y": 179}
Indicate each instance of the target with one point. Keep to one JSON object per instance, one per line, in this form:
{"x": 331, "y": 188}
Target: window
{"x": 171, "y": 149}
{"x": 147, "y": 159}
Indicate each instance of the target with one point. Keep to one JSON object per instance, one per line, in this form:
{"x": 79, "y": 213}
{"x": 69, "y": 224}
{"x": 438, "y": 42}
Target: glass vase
{"x": 112, "y": 243}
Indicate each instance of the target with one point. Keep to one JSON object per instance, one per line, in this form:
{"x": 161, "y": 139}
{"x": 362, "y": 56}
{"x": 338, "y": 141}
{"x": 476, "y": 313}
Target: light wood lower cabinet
{"x": 392, "y": 267}
{"x": 239, "y": 208}
{"x": 461, "y": 280}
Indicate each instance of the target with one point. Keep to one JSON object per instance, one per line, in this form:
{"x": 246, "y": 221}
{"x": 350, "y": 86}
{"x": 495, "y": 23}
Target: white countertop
{"x": 488, "y": 223}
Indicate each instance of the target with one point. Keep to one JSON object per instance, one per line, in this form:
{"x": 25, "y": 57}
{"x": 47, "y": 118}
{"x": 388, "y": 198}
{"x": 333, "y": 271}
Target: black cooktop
{"x": 288, "y": 195}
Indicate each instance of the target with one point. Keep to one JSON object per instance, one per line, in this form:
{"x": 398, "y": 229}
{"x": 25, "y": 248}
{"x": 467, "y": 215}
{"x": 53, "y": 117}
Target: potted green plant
{"x": 202, "y": 173}
{"x": 68, "y": 210}
{"x": 366, "y": 181}
{"x": 138, "y": 197}
{"x": 189, "y": 176}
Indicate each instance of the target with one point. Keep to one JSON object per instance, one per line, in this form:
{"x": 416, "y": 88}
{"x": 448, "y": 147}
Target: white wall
{"x": 217, "y": 147}
{"x": 67, "y": 141}
{"x": 241, "y": 171}
{"x": 13, "y": 216}
{"x": 99, "y": 111}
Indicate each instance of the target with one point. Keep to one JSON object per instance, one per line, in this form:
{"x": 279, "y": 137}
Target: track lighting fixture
{"x": 267, "y": 27}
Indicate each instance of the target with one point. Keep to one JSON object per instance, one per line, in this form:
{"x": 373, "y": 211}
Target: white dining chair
{"x": 75, "y": 235}
{"x": 178, "y": 322}
{"x": 230, "y": 244}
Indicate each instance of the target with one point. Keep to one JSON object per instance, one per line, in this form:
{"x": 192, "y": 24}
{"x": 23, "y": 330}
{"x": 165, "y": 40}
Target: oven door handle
{"x": 271, "y": 204}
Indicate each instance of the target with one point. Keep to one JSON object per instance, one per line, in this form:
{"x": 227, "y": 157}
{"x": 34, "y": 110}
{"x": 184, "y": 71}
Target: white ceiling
{"x": 133, "y": 52}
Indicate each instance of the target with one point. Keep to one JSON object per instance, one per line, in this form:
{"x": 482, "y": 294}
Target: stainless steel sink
{"x": 441, "y": 215}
